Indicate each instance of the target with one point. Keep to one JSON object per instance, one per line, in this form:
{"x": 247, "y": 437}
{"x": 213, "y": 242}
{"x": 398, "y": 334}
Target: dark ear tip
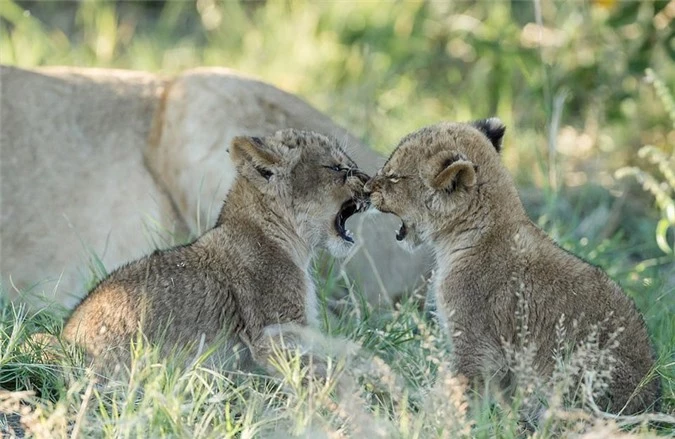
{"x": 257, "y": 140}
{"x": 493, "y": 128}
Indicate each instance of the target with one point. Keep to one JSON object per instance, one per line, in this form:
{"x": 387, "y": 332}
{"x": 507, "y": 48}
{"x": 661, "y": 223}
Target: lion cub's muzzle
{"x": 356, "y": 181}
{"x": 360, "y": 202}
{"x": 372, "y": 189}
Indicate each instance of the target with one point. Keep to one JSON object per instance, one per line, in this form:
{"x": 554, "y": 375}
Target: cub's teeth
{"x": 358, "y": 205}
{"x": 349, "y": 233}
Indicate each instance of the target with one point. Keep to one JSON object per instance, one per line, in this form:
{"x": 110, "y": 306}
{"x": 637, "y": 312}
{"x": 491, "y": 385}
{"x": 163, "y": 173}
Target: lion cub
{"x": 248, "y": 276}
{"x": 448, "y": 186}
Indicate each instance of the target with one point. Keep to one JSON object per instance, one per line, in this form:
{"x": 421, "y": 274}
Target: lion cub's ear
{"x": 252, "y": 149}
{"x": 448, "y": 171}
{"x": 493, "y": 128}
{"x": 266, "y": 156}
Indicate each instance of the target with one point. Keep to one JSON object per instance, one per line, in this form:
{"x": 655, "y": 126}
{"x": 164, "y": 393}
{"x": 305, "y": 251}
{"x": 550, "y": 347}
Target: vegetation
{"x": 570, "y": 80}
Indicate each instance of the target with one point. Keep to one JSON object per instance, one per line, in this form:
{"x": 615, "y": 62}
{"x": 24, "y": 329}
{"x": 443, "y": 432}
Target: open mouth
{"x": 402, "y": 232}
{"x": 348, "y": 208}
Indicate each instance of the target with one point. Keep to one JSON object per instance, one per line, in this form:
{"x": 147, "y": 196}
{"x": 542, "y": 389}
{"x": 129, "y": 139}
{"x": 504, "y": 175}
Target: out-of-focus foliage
{"x": 384, "y": 69}
{"x": 664, "y": 161}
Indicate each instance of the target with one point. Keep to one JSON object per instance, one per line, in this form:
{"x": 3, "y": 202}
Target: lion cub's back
{"x": 173, "y": 294}
{"x": 584, "y": 292}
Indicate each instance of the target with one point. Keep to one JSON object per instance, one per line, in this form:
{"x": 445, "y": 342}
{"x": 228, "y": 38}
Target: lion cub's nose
{"x": 362, "y": 176}
{"x": 369, "y": 186}
{"x": 357, "y": 179}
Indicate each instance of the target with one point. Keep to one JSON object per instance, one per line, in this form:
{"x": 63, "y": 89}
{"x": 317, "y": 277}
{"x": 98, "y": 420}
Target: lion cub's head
{"x": 311, "y": 177}
{"x": 431, "y": 177}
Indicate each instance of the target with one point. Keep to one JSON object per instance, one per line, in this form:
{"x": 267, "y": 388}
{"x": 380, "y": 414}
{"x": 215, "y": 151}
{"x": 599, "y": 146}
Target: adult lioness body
{"x": 245, "y": 277}
{"x": 448, "y": 185}
{"x": 96, "y": 162}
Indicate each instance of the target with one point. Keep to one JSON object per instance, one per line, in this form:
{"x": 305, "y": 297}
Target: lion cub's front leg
{"x": 280, "y": 345}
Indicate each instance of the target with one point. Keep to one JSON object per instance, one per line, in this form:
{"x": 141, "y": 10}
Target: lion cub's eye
{"x": 336, "y": 168}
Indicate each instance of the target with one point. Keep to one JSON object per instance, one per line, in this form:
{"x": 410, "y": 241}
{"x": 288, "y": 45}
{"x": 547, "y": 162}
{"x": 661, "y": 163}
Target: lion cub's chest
{"x": 471, "y": 306}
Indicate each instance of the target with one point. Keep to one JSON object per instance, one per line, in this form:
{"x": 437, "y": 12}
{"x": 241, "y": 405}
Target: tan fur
{"x": 448, "y": 185}
{"x": 111, "y": 162}
{"x": 244, "y": 277}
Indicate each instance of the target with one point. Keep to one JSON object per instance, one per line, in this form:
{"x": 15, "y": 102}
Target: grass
{"x": 390, "y": 377}
{"x": 566, "y": 77}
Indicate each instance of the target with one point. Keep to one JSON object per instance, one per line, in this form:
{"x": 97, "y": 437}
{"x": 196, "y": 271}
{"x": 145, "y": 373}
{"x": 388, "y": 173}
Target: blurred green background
{"x": 570, "y": 79}
{"x": 567, "y": 77}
